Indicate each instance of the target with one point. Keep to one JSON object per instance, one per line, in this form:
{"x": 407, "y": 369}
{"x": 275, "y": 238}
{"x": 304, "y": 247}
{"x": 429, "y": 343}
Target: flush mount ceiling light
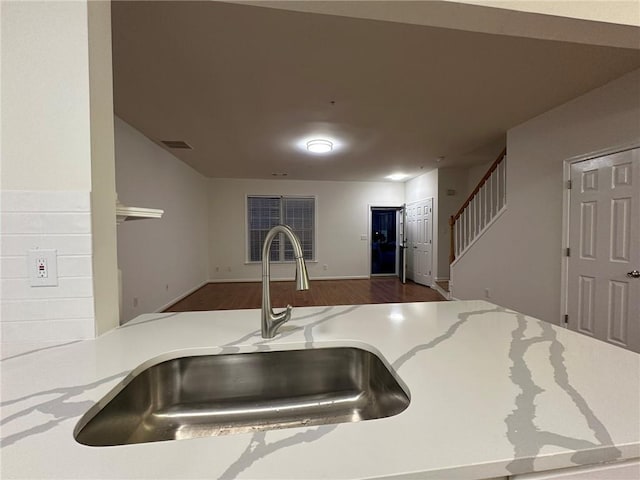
{"x": 397, "y": 176}
{"x": 319, "y": 145}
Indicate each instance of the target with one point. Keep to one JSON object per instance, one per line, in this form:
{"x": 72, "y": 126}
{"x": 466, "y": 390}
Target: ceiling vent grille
{"x": 177, "y": 144}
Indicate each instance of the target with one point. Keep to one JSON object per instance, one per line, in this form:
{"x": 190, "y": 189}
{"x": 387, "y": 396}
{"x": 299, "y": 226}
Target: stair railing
{"x": 483, "y": 204}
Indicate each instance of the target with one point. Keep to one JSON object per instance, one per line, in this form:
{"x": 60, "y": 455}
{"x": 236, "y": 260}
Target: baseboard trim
{"x": 442, "y": 279}
{"x": 438, "y": 289}
{"x": 237, "y": 280}
{"x": 286, "y": 279}
{"x": 180, "y": 297}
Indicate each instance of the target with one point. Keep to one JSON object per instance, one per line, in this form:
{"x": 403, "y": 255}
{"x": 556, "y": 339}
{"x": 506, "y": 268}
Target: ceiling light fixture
{"x": 397, "y": 176}
{"x": 319, "y": 145}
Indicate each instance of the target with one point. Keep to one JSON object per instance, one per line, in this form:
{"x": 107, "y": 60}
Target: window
{"x": 263, "y": 213}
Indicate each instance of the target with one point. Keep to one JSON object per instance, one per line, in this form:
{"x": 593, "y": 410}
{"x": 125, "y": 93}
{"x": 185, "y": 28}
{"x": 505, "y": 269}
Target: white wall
{"x": 474, "y": 174}
{"x": 519, "y": 258}
{"x": 420, "y": 188}
{"x": 454, "y": 180}
{"x": 161, "y": 260}
{"x": 45, "y": 96}
{"x": 342, "y": 217}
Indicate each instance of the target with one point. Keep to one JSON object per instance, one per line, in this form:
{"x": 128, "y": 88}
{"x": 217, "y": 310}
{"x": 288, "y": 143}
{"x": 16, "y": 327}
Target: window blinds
{"x": 265, "y": 212}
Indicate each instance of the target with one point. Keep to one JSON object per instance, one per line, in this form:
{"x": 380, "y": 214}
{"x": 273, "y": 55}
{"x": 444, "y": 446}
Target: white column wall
{"x": 46, "y": 169}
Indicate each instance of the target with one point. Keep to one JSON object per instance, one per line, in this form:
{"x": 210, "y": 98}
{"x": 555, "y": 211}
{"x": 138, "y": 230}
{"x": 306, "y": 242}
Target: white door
{"x": 411, "y": 235}
{"x": 419, "y": 218}
{"x": 604, "y": 242}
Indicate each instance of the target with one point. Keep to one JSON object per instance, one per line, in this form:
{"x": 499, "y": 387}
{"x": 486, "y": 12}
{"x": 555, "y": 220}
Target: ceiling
{"x": 245, "y": 85}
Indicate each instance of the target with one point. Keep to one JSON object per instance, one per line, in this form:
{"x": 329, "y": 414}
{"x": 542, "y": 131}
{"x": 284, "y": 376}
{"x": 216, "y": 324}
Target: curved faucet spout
{"x": 271, "y": 320}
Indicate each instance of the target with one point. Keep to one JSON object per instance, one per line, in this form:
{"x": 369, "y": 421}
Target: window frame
{"x": 247, "y": 230}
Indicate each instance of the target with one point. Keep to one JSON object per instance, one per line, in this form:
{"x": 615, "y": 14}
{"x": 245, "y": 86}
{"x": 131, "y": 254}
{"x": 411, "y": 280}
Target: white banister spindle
{"x": 461, "y": 242}
{"x": 478, "y": 217}
{"x": 490, "y": 182}
{"x": 499, "y": 196}
{"x": 461, "y": 220}
{"x": 466, "y": 229}
{"x": 473, "y": 223}
{"x": 485, "y": 205}
{"x": 495, "y": 192}
{"x": 499, "y": 177}
{"x": 480, "y": 197}
{"x": 473, "y": 219}
{"x": 503, "y": 165}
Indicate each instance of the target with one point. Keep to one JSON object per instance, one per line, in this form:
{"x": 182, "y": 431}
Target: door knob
{"x": 633, "y": 274}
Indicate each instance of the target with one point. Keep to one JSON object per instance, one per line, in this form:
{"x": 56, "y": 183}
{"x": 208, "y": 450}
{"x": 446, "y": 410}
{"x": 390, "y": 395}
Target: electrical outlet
{"x": 42, "y": 266}
{"x": 42, "y": 270}
{"x": 217, "y": 269}
{"x": 325, "y": 267}
{"x": 228, "y": 269}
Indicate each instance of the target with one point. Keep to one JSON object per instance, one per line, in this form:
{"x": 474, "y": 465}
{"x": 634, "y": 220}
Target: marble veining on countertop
{"x": 493, "y": 392}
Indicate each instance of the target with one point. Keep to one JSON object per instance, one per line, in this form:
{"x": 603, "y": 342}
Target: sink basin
{"x": 210, "y": 395}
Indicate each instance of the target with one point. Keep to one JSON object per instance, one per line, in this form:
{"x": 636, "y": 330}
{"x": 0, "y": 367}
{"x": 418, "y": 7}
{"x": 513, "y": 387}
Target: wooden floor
{"x": 232, "y": 296}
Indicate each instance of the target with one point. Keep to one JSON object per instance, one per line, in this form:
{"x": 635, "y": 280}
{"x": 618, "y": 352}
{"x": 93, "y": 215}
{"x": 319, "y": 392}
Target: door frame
{"x": 370, "y": 208}
{"x": 566, "y": 205}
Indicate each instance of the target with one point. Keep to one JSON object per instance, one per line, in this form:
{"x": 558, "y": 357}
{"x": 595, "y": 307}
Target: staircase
{"x": 487, "y": 201}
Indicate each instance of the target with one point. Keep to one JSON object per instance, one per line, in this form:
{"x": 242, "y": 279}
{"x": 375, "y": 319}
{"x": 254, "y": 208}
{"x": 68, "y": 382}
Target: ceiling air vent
{"x": 177, "y": 144}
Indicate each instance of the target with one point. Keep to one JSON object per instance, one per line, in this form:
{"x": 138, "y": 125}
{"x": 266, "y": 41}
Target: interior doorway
{"x": 387, "y": 235}
{"x": 603, "y": 298}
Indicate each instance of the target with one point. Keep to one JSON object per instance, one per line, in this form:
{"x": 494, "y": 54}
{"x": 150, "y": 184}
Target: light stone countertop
{"x": 493, "y": 393}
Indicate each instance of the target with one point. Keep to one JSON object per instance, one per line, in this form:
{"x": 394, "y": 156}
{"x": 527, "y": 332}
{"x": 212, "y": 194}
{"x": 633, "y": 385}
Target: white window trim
{"x": 314, "y": 253}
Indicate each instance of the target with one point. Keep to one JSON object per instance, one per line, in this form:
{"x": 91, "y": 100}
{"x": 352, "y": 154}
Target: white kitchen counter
{"x": 493, "y": 393}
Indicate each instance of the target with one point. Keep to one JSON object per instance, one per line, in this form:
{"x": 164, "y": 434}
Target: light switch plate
{"x": 42, "y": 266}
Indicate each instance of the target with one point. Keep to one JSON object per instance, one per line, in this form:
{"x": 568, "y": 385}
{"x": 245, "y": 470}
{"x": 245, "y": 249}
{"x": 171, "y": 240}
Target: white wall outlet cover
{"x": 42, "y": 266}
{"x": 363, "y": 236}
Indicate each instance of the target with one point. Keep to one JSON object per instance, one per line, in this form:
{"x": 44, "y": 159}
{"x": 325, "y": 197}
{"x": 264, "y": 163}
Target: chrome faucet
{"x": 271, "y": 320}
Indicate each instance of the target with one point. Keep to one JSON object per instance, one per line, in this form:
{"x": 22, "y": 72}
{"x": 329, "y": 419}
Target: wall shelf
{"x": 124, "y": 213}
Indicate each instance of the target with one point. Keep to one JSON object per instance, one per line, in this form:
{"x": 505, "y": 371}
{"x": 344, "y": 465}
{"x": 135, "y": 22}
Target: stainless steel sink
{"x": 224, "y": 394}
